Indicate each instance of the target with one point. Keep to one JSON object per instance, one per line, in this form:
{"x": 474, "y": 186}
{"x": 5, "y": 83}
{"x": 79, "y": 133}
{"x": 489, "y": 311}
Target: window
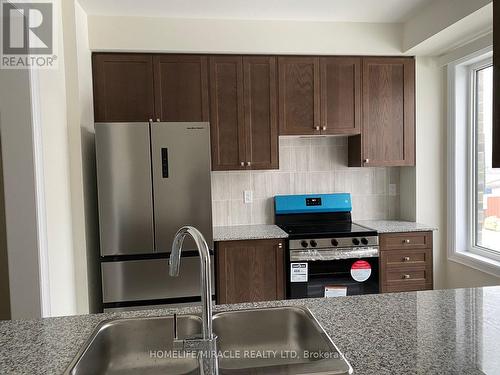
{"x": 473, "y": 185}
{"x": 485, "y": 180}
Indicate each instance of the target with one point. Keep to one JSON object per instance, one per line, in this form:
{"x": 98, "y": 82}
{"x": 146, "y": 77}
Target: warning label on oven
{"x": 361, "y": 270}
{"x": 298, "y": 272}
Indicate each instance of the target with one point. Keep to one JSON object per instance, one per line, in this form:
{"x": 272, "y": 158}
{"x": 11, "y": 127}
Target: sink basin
{"x": 281, "y": 340}
{"x": 123, "y": 346}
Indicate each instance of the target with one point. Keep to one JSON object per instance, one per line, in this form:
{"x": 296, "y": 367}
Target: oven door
{"x": 333, "y": 278}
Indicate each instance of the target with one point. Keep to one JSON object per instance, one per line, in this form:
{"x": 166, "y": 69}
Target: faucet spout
{"x": 208, "y": 341}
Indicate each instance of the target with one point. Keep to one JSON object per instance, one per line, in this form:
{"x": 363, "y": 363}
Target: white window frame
{"x": 461, "y": 169}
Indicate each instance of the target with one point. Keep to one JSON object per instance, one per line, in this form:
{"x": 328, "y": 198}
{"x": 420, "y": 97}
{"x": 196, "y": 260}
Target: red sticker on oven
{"x": 361, "y": 270}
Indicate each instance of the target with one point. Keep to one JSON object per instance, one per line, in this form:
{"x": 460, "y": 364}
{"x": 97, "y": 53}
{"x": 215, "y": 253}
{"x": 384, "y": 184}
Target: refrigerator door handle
{"x": 164, "y": 162}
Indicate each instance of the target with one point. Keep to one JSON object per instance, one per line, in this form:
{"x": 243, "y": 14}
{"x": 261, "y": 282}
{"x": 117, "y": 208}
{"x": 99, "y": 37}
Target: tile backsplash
{"x": 307, "y": 166}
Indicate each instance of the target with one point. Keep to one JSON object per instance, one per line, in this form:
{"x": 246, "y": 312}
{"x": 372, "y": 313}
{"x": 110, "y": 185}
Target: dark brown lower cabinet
{"x": 405, "y": 262}
{"x": 249, "y": 271}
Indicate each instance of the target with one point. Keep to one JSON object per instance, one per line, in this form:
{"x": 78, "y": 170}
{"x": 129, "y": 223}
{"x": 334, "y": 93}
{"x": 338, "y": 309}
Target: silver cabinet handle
{"x": 406, "y": 259}
{"x": 248, "y": 163}
{"x": 406, "y": 277}
{"x": 280, "y": 246}
{"x": 324, "y": 128}
{"x": 242, "y": 163}
{"x": 366, "y": 161}
{"x": 150, "y": 120}
{"x": 157, "y": 120}
{"x": 406, "y": 241}
{"x": 316, "y": 128}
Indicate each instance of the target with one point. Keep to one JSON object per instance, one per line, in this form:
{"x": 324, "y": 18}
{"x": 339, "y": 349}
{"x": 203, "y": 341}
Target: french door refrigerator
{"x": 152, "y": 178}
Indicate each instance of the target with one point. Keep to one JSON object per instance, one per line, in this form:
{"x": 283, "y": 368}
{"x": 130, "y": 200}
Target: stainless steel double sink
{"x": 281, "y": 340}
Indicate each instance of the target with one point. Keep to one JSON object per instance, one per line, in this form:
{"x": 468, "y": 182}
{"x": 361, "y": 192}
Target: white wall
{"x": 446, "y": 23}
{"x": 228, "y": 36}
{"x": 20, "y": 193}
{"x": 87, "y": 161}
{"x": 430, "y": 170}
{"x": 56, "y": 169}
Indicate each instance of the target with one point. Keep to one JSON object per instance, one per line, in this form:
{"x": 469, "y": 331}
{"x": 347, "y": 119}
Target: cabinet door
{"x": 123, "y": 87}
{"x": 299, "y": 94}
{"x": 226, "y": 113}
{"x": 388, "y": 137}
{"x": 250, "y": 271}
{"x": 260, "y": 107}
{"x": 340, "y": 95}
{"x": 181, "y": 88}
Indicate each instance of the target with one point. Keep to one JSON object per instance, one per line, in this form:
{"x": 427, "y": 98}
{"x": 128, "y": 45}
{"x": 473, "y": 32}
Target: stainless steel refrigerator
{"x": 152, "y": 179}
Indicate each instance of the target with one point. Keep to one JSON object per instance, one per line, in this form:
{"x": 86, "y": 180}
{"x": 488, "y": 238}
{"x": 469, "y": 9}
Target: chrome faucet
{"x": 206, "y": 344}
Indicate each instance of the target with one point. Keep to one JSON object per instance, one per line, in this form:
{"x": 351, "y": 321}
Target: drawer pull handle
{"x": 406, "y": 259}
{"x": 406, "y": 241}
{"x": 406, "y": 276}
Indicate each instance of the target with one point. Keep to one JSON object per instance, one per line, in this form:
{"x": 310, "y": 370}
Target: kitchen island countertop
{"x": 430, "y": 332}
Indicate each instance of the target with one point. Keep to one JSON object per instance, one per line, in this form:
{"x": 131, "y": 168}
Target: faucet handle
{"x": 195, "y": 344}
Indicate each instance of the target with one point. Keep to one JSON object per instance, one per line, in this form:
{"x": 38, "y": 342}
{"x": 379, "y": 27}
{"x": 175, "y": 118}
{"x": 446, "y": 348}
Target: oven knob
{"x": 335, "y": 242}
{"x": 355, "y": 241}
{"x": 313, "y": 243}
{"x": 364, "y": 241}
{"x": 304, "y": 243}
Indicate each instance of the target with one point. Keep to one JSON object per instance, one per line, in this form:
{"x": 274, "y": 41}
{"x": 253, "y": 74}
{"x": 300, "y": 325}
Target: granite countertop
{"x": 429, "y": 332}
{"x": 248, "y": 232}
{"x": 395, "y": 226}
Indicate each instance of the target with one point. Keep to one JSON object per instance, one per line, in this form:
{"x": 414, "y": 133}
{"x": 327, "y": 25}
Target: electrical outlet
{"x": 248, "y": 196}
{"x": 393, "y": 190}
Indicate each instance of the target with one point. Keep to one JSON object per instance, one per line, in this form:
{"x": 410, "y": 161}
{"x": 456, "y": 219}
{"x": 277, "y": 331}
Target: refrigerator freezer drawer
{"x": 137, "y": 280}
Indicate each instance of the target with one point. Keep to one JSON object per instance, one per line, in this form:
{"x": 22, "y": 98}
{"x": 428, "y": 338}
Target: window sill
{"x": 478, "y": 262}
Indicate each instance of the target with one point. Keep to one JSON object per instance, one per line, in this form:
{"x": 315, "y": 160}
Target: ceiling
{"x": 299, "y": 10}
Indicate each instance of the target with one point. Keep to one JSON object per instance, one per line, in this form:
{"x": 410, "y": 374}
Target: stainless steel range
{"x": 328, "y": 255}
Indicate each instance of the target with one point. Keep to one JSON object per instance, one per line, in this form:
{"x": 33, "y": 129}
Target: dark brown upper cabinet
{"x": 123, "y": 87}
{"x": 319, "y": 95}
{"x": 243, "y": 112}
{"x": 388, "y": 130}
{"x": 299, "y": 95}
{"x": 340, "y": 95}
{"x": 496, "y": 84}
{"x": 261, "y": 114}
{"x": 250, "y": 271}
{"x": 181, "y": 87}
{"x": 226, "y": 113}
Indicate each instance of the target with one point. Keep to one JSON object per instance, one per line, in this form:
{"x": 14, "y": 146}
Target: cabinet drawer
{"x": 406, "y": 275}
{"x": 411, "y": 240}
{"x": 405, "y": 258}
{"x": 406, "y": 287}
